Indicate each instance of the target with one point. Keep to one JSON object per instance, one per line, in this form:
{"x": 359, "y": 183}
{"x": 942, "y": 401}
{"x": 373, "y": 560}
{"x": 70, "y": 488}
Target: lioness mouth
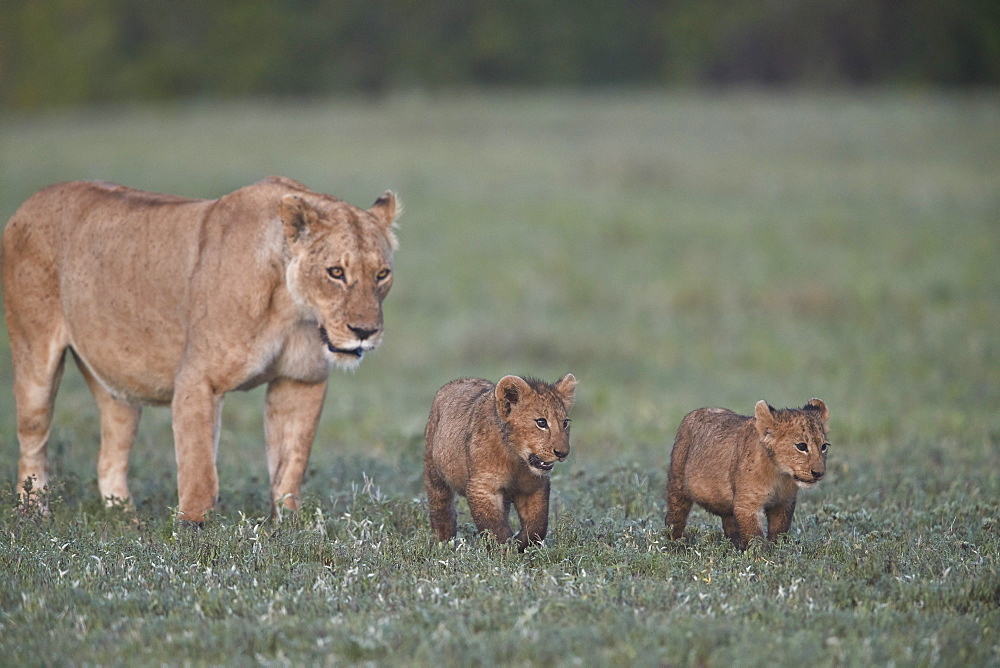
{"x": 533, "y": 460}
{"x": 357, "y": 352}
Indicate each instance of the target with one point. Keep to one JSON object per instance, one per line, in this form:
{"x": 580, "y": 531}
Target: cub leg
{"x": 730, "y": 528}
{"x": 678, "y": 509}
{"x": 119, "y": 424}
{"x": 533, "y": 511}
{"x": 441, "y": 500}
{"x": 197, "y": 412}
{"x": 291, "y": 414}
{"x": 750, "y": 524}
{"x": 489, "y": 509}
{"x": 779, "y": 519}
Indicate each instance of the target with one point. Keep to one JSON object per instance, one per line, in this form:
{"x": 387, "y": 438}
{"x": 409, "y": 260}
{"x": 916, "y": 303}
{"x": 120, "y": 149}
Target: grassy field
{"x": 672, "y": 250}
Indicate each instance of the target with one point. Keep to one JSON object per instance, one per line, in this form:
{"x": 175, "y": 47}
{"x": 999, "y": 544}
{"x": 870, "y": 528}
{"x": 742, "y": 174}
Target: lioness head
{"x": 796, "y": 438}
{"x": 340, "y": 268}
{"x": 534, "y": 419}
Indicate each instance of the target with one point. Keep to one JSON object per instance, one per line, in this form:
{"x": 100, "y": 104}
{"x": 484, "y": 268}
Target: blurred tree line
{"x": 56, "y": 52}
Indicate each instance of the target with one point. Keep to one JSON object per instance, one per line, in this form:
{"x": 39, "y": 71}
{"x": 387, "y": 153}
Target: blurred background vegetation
{"x": 68, "y": 52}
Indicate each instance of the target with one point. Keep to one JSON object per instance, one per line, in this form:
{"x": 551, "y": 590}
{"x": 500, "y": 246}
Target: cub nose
{"x": 362, "y": 332}
{"x": 817, "y": 474}
{"x": 561, "y": 454}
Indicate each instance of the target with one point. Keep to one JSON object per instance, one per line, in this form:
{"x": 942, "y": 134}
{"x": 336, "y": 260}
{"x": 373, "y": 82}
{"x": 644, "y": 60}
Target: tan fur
{"x": 746, "y": 469}
{"x": 173, "y": 301}
{"x": 495, "y": 445}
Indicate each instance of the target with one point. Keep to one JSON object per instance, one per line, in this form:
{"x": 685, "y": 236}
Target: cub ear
{"x": 566, "y": 389}
{"x": 765, "y": 417}
{"x": 297, "y": 215}
{"x": 386, "y": 209}
{"x": 509, "y": 391}
{"x": 818, "y": 406}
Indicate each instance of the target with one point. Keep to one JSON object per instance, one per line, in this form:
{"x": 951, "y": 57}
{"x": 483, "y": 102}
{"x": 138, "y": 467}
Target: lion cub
{"x": 746, "y": 469}
{"x": 495, "y": 445}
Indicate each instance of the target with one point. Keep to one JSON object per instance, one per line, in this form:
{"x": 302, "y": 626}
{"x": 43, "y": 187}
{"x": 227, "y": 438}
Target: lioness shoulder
{"x": 495, "y": 445}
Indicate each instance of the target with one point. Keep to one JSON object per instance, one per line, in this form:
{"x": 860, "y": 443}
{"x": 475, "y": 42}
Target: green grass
{"x": 672, "y": 250}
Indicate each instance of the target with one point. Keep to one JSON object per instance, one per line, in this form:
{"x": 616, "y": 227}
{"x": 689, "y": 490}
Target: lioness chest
{"x": 295, "y": 353}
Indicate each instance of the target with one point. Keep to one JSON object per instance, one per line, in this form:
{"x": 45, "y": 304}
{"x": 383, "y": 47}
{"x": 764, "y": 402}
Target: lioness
{"x": 495, "y": 445}
{"x": 746, "y": 469}
{"x": 167, "y": 300}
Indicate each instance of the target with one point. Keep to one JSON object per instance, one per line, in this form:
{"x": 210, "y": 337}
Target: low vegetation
{"x": 671, "y": 250}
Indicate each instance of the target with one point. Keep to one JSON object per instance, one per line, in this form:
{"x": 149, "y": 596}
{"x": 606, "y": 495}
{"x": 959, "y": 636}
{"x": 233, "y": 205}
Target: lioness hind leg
{"x": 38, "y": 368}
{"x": 38, "y": 336}
{"x": 119, "y": 424}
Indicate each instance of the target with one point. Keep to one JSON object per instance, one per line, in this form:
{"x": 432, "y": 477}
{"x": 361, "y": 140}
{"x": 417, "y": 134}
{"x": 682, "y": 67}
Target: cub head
{"x": 796, "y": 438}
{"x": 533, "y": 415}
{"x": 340, "y": 268}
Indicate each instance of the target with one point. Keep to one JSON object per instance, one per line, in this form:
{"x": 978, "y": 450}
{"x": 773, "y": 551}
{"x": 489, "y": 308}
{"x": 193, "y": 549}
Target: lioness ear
{"x": 566, "y": 389}
{"x": 509, "y": 391}
{"x": 820, "y": 407}
{"x": 386, "y": 209}
{"x": 297, "y": 215}
{"x": 765, "y": 417}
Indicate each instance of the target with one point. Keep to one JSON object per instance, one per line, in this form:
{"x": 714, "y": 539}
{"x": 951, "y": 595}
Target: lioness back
{"x": 171, "y": 300}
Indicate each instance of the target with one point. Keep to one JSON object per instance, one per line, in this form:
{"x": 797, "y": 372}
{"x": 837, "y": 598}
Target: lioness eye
{"x": 382, "y": 275}
{"x": 802, "y": 447}
{"x": 336, "y": 273}
{"x": 542, "y": 423}
{"x": 823, "y": 447}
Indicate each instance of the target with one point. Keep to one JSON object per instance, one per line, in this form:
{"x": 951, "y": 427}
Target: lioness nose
{"x": 362, "y": 332}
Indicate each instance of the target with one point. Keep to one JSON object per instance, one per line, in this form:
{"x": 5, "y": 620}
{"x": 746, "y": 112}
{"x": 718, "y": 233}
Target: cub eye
{"x": 566, "y": 423}
{"x": 802, "y": 447}
{"x": 382, "y": 275}
{"x": 336, "y": 273}
{"x": 823, "y": 447}
{"x": 542, "y": 423}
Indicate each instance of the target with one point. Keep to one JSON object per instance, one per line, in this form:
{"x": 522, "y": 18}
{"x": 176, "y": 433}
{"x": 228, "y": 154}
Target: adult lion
{"x": 167, "y": 300}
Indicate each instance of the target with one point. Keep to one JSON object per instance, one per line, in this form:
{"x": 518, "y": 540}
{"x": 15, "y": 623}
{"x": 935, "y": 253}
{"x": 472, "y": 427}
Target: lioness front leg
{"x": 489, "y": 509}
{"x": 533, "y": 511}
{"x": 197, "y": 412}
{"x": 291, "y": 415}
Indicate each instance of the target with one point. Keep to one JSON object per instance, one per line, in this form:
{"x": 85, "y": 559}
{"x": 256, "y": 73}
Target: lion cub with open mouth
{"x": 495, "y": 445}
{"x": 747, "y": 470}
